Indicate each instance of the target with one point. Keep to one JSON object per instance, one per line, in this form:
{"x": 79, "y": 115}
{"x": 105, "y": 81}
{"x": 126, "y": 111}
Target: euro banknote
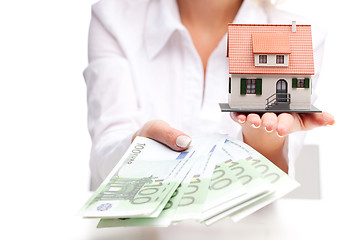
{"x": 200, "y": 171}
{"x": 195, "y": 188}
{"x": 216, "y": 177}
{"x": 141, "y": 183}
{"x": 281, "y": 182}
{"x": 234, "y": 182}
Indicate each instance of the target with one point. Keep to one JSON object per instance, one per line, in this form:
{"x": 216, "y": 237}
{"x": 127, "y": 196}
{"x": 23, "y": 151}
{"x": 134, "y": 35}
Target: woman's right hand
{"x": 162, "y": 132}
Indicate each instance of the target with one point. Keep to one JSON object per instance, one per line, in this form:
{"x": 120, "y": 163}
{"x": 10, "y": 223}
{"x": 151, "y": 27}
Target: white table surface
{"x": 285, "y": 219}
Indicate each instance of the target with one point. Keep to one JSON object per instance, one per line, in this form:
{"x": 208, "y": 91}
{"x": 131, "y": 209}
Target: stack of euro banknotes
{"x": 215, "y": 178}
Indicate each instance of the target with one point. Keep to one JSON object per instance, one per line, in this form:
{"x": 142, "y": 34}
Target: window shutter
{"x": 243, "y": 86}
{"x": 307, "y": 83}
{"x": 258, "y": 89}
{"x": 294, "y": 83}
{"x": 229, "y": 84}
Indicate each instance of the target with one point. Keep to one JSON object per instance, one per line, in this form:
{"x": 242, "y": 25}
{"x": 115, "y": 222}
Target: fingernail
{"x": 241, "y": 121}
{"x": 253, "y": 125}
{"x": 183, "y": 141}
{"x": 241, "y": 118}
{"x": 331, "y": 123}
{"x": 269, "y": 131}
{"x": 279, "y": 135}
{"x": 329, "y": 118}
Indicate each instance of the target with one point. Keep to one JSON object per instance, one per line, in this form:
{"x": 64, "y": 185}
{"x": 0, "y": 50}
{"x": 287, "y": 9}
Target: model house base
{"x": 226, "y": 108}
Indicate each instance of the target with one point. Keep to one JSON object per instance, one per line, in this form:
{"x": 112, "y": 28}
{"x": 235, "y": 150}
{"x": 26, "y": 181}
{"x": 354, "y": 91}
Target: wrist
{"x": 268, "y": 144}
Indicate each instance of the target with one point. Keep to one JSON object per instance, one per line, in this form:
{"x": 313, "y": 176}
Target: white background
{"x": 44, "y": 143}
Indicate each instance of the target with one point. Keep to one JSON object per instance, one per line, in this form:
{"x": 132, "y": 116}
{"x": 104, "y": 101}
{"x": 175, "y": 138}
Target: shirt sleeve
{"x": 113, "y": 115}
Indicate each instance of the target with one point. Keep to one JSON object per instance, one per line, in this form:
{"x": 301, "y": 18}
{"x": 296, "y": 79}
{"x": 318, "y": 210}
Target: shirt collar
{"x": 163, "y": 19}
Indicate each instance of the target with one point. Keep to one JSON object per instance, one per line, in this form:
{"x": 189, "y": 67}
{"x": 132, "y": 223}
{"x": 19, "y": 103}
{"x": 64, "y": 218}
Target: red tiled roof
{"x": 271, "y": 43}
{"x": 241, "y": 52}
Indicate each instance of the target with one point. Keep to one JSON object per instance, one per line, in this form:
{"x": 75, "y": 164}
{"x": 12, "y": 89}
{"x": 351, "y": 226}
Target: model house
{"x": 270, "y": 67}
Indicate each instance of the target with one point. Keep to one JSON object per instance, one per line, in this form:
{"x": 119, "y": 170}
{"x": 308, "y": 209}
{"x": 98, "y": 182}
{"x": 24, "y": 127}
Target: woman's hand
{"x": 284, "y": 123}
{"x": 162, "y": 132}
{"x": 266, "y": 133}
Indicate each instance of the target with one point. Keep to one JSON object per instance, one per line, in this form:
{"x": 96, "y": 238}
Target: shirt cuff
{"x": 105, "y": 154}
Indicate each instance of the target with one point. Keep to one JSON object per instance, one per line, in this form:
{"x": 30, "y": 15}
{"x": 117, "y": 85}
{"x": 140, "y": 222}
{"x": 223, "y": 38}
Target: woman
{"x": 157, "y": 69}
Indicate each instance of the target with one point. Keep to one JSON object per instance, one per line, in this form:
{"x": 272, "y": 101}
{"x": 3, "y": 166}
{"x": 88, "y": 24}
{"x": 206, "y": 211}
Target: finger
{"x": 269, "y": 121}
{"x": 162, "y": 132}
{"x": 285, "y": 124}
{"x": 238, "y": 117}
{"x": 253, "y": 120}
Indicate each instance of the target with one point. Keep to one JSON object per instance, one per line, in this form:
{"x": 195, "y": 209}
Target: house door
{"x": 281, "y": 91}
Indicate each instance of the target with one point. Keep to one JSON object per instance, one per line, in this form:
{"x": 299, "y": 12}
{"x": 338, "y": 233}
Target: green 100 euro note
{"x": 280, "y": 181}
{"x": 141, "y": 183}
{"x": 186, "y": 202}
{"x": 219, "y": 176}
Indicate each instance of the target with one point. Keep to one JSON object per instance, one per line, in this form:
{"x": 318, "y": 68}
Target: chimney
{"x": 293, "y": 27}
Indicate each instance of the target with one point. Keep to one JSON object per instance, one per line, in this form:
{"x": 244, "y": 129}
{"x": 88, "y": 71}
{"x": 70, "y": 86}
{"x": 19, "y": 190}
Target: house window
{"x": 262, "y": 58}
{"x": 280, "y": 59}
{"x": 229, "y": 84}
{"x": 300, "y": 83}
{"x": 250, "y": 86}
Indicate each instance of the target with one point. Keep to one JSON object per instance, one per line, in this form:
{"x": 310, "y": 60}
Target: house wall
{"x": 300, "y": 97}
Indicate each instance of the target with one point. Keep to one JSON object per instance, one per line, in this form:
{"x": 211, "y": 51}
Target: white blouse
{"x": 144, "y": 66}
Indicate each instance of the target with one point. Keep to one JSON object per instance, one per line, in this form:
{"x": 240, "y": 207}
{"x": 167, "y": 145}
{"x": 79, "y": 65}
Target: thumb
{"x": 309, "y": 121}
{"x": 162, "y": 132}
